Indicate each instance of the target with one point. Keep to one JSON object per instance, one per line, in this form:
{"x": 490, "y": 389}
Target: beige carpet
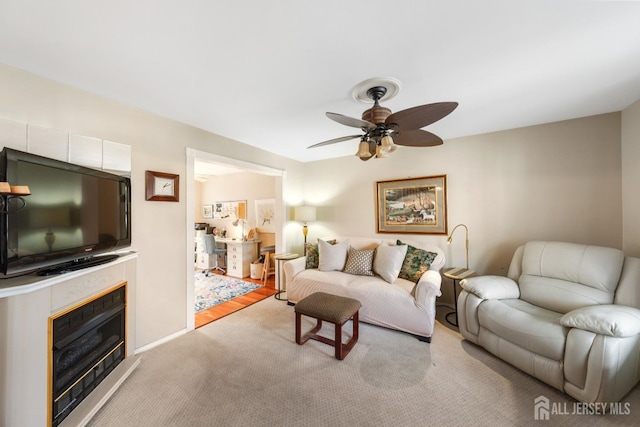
{"x": 247, "y": 370}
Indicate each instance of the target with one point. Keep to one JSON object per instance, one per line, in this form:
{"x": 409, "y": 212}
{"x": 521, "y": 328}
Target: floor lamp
{"x": 457, "y": 274}
{"x": 466, "y": 240}
{"x": 304, "y": 214}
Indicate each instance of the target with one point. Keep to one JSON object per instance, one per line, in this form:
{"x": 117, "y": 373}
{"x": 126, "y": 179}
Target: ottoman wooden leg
{"x": 311, "y": 334}
{"x": 299, "y": 328}
{"x": 343, "y": 349}
{"x": 337, "y": 342}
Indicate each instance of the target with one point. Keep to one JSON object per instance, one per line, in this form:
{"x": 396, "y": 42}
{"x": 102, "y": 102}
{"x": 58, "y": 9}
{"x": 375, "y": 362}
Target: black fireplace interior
{"x": 88, "y": 343}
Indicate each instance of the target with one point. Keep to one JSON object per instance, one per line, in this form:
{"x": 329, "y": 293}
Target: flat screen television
{"x": 73, "y": 217}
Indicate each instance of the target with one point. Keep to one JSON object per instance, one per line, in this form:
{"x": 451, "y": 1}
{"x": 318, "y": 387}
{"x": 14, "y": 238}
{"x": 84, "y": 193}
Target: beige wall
{"x": 556, "y": 181}
{"x": 631, "y": 179}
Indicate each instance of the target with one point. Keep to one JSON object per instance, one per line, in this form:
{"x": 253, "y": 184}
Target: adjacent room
{"x": 236, "y": 205}
{"x": 319, "y": 213}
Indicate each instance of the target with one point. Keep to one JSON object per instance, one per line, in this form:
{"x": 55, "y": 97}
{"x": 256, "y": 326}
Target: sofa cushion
{"x": 332, "y": 257}
{"x": 526, "y": 325}
{"x": 311, "y": 251}
{"x": 359, "y": 262}
{"x": 388, "y": 261}
{"x": 416, "y": 262}
{"x": 563, "y": 276}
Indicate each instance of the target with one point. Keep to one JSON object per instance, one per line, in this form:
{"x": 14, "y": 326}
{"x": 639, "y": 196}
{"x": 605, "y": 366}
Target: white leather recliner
{"x": 567, "y": 314}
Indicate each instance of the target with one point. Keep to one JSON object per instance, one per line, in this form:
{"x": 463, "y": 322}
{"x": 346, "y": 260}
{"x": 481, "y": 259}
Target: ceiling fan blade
{"x": 350, "y": 121}
{"x": 420, "y": 116}
{"x": 417, "y": 138}
{"x": 334, "y": 140}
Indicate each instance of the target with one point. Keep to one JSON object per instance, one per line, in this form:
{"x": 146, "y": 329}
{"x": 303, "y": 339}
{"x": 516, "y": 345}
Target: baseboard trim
{"x": 160, "y": 341}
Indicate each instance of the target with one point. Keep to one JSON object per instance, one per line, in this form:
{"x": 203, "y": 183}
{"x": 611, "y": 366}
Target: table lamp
{"x": 304, "y": 214}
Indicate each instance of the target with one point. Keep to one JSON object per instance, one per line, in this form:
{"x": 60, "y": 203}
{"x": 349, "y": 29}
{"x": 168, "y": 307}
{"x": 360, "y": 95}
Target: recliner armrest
{"x": 491, "y": 287}
{"x": 610, "y": 319}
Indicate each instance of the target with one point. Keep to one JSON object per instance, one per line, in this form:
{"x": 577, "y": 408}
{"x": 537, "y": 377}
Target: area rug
{"x": 216, "y": 289}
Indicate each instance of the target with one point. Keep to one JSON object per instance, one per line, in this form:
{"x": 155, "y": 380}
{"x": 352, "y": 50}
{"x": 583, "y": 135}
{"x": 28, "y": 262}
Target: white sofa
{"x": 567, "y": 314}
{"x": 403, "y": 305}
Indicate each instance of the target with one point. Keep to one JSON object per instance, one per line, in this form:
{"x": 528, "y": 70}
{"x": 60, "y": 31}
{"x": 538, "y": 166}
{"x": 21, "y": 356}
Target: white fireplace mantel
{"x": 25, "y": 307}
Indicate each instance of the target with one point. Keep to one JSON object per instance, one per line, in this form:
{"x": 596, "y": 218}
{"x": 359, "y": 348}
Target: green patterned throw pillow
{"x": 416, "y": 262}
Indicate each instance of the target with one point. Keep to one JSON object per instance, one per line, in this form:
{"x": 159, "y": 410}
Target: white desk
{"x": 240, "y": 255}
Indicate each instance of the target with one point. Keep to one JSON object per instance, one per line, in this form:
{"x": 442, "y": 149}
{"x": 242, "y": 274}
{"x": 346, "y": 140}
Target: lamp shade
{"x": 387, "y": 145}
{"x": 363, "y": 150}
{"x": 305, "y": 213}
{"x": 381, "y": 153}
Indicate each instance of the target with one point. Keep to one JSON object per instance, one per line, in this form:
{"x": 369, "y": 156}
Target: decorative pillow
{"x": 388, "y": 261}
{"x": 416, "y": 262}
{"x": 332, "y": 257}
{"x": 359, "y": 262}
{"x": 311, "y": 249}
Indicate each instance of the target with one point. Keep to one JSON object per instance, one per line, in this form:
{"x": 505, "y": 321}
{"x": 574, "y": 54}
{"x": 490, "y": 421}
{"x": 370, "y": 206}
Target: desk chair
{"x": 209, "y": 246}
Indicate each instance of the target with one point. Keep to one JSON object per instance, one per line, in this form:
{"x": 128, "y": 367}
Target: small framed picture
{"x": 207, "y": 211}
{"x": 162, "y": 187}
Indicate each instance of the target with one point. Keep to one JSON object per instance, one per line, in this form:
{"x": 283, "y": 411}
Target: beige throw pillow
{"x": 388, "y": 261}
{"x": 332, "y": 257}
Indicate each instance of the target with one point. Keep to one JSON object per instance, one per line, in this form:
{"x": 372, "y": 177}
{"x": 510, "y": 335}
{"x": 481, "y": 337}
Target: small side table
{"x": 456, "y": 274}
{"x": 279, "y": 258}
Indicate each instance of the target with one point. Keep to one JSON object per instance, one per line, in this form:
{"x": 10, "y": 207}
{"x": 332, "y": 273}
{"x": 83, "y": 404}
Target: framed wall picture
{"x": 207, "y": 211}
{"x": 412, "y": 206}
{"x": 162, "y": 187}
{"x": 265, "y": 215}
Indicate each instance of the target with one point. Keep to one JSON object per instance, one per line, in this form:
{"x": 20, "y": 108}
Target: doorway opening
{"x": 235, "y": 178}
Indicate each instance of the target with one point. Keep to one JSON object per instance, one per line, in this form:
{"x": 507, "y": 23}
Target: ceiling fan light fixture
{"x": 387, "y": 145}
{"x": 363, "y": 150}
{"x": 380, "y": 153}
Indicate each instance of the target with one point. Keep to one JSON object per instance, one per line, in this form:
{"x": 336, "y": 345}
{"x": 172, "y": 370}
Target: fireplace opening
{"x": 87, "y": 343}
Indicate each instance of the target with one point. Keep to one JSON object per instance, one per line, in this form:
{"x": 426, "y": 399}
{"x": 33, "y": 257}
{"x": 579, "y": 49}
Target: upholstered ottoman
{"x": 329, "y": 308}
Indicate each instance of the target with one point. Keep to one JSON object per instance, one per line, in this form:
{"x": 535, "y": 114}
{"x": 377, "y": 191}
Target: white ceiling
{"x": 265, "y": 72}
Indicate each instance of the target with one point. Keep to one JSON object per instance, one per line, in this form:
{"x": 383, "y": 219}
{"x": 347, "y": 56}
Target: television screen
{"x": 73, "y": 213}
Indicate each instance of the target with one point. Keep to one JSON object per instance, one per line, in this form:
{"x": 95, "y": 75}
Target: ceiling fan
{"x": 384, "y": 131}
